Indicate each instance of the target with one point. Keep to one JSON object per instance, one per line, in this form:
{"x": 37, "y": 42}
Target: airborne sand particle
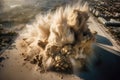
{"x": 59, "y": 40}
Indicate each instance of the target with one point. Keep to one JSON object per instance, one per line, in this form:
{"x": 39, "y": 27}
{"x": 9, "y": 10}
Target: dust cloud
{"x": 59, "y": 40}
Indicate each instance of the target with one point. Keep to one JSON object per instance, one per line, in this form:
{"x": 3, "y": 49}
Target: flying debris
{"x": 59, "y": 40}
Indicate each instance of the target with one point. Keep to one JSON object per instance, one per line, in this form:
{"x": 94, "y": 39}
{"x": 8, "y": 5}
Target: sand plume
{"x": 58, "y": 40}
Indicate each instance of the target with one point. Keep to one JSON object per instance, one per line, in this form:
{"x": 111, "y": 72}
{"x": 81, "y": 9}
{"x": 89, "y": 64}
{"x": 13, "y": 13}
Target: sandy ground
{"x": 102, "y": 31}
{"x": 15, "y": 68}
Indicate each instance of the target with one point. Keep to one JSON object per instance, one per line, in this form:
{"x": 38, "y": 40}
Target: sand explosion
{"x": 59, "y": 40}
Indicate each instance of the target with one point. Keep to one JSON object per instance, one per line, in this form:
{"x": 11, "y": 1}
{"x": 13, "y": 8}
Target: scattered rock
{"x": 60, "y": 47}
{"x": 6, "y": 38}
{"x": 1, "y": 59}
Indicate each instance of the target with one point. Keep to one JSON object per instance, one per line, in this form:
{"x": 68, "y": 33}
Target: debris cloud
{"x": 59, "y": 40}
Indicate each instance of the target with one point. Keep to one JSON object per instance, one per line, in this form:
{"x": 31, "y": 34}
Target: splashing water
{"x": 59, "y": 40}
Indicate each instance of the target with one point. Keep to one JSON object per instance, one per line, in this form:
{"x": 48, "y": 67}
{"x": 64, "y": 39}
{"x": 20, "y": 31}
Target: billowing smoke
{"x": 59, "y": 40}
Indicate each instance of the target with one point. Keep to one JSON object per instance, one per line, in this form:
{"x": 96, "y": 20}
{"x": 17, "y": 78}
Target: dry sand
{"x": 15, "y": 68}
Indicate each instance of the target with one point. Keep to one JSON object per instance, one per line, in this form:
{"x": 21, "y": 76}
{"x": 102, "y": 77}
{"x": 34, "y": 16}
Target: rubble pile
{"x": 106, "y": 8}
{"x": 59, "y": 41}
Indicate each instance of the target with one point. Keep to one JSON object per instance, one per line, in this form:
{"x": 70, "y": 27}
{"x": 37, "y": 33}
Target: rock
{"x": 102, "y": 20}
{"x": 57, "y": 58}
{"x": 1, "y": 59}
{"x": 42, "y": 44}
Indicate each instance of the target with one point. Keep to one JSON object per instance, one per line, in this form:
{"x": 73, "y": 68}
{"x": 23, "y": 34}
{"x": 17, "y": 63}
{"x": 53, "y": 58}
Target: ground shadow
{"x": 105, "y": 66}
{"x": 103, "y": 40}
